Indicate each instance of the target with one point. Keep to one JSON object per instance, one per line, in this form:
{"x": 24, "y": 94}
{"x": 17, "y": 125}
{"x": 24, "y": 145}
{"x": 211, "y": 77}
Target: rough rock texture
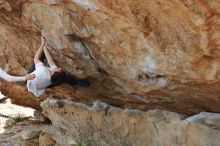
{"x": 149, "y": 54}
{"x": 20, "y": 135}
{"x": 104, "y": 125}
{"x": 138, "y": 54}
{"x": 9, "y": 111}
{"x": 74, "y": 123}
{"x": 13, "y": 136}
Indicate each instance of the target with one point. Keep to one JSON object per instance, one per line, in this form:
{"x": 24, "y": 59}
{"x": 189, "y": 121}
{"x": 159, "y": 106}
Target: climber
{"x": 48, "y": 76}
{"x": 40, "y": 77}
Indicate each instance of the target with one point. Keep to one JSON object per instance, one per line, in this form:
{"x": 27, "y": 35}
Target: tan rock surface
{"x": 12, "y": 137}
{"x": 46, "y": 140}
{"x": 73, "y": 123}
{"x": 140, "y": 54}
{"x": 104, "y": 125}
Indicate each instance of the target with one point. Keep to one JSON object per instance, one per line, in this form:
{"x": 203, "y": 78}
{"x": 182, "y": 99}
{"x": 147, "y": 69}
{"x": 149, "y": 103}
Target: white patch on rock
{"x": 99, "y": 105}
{"x": 210, "y": 119}
{"x": 72, "y": 142}
{"x": 149, "y": 65}
{"x": 82, "y": 50}
{"x": 30, "y": 135}
{"x": 162, "y": 82}
{"x": 54, "y": 1}
{"x": 33, "y": 18}
{"x": 86, "y": 4}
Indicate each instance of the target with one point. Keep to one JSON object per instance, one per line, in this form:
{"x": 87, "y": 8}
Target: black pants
{"x": 32, "y": 68}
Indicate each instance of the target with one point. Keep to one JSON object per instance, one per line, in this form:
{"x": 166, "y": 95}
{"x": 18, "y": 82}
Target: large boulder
{"x": 105, "y": 125}
{"x": 73, "y": 123}
{"x": 138, "y": 54}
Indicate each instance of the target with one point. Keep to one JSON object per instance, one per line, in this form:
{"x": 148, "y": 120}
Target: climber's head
{"x": 57, "y": 77}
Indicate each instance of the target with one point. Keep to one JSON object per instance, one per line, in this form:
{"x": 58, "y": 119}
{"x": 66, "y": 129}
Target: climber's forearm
{"x": 39, "y": 53}
{"x": 49, "y": 56}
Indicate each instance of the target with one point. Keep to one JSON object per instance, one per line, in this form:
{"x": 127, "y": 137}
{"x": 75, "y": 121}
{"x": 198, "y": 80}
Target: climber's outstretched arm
{"x": 49, "y": 56}
{"x": 4, "y": 75}
{"x": 39, "y": 51}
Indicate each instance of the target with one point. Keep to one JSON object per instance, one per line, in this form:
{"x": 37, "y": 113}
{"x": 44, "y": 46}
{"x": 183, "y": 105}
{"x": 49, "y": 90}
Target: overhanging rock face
{"x": 139, "y": 54}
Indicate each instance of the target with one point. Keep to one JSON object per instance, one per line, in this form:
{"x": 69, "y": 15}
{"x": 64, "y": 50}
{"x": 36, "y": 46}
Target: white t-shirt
{"x": 38, "y": 85}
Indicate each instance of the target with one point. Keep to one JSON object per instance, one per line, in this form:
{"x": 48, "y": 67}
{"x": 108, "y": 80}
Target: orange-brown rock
{"x": 140, "y": 54}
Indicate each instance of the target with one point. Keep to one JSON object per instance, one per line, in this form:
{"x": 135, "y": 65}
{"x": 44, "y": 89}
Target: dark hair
{"x": 57, "y": 78}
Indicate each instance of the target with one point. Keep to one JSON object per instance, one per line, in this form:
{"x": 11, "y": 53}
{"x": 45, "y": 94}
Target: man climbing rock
{"x": 40, "y": 76}
{"x": 44, "y": 76}
{"x": 48, "y": 76}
